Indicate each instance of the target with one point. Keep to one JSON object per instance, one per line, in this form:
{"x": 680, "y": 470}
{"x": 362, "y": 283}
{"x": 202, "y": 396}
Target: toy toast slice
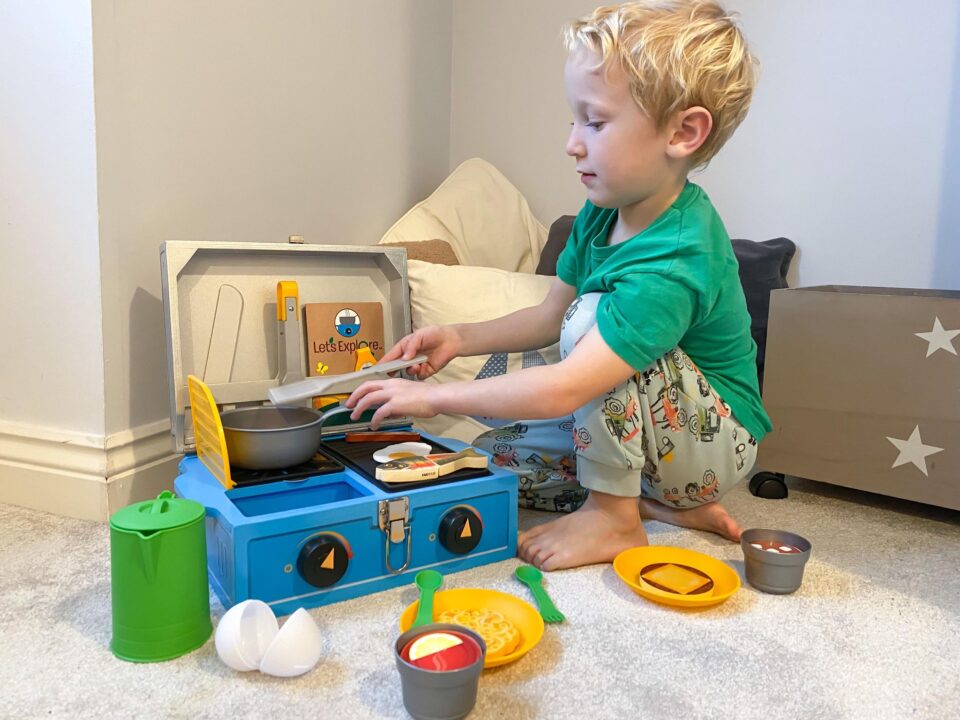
{"x": 429, "y": 467}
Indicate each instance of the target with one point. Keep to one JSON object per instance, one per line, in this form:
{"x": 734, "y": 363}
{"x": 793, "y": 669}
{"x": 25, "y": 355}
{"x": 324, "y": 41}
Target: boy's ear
{"x": 689, "y": 130}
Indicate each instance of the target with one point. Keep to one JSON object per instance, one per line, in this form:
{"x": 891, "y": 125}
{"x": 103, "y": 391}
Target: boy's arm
{"x": 531, "y": 328}
{"x": 545, "y": 391}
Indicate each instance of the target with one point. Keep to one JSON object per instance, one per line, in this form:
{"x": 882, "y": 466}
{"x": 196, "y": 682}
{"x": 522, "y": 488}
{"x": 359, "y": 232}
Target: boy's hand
{"x": 440, "y": 343}
{"x": 395, "y": 398}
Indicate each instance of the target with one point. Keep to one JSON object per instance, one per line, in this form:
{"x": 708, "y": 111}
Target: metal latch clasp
{"x": 394, "y": 517}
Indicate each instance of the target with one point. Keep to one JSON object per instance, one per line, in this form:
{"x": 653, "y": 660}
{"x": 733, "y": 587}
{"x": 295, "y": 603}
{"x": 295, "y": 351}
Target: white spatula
{"x": 337, "y": 384}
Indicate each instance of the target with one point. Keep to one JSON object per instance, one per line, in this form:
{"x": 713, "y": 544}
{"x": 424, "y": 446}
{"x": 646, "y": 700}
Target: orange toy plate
{"x": 631, "y": 563}
{"x": 521, "y": 613}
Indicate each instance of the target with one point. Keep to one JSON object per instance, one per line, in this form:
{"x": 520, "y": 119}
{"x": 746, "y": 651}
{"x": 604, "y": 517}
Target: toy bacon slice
{"x": 429, "y": 467}
{"x": 387, "y": 436}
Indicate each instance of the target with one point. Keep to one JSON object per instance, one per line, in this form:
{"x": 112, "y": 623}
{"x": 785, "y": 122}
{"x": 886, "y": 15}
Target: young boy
{"x": 657, "y": 363}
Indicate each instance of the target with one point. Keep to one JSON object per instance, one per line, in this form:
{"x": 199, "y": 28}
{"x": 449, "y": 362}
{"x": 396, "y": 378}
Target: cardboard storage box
{"x": 863, "y": 387}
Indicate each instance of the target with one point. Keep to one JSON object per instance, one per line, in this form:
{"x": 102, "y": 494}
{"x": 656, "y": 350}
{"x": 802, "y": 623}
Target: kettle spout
{"x": 149, "y": 554}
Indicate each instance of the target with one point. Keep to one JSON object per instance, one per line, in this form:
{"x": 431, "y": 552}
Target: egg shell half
{"x": 244, "y": 633}
{"x": 296, "y": 649}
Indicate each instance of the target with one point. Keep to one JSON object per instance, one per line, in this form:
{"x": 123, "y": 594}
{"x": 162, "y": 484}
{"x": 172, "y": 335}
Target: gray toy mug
{"x": 439, "y": 694}
{"x": 774, "y": 559}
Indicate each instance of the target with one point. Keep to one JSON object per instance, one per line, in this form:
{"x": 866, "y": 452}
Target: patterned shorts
{"x": 663, "y": 434}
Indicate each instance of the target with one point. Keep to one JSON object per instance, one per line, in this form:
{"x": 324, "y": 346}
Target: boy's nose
{"x": 574, "y": 147}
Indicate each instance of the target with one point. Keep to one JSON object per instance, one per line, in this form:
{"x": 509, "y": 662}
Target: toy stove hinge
{"x": 394, "y": 519}
{"x": 288, "y": 330}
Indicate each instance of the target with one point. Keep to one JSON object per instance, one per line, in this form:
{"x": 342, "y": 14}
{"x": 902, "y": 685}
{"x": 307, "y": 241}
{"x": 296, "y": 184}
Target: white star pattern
{"x": 913, "y": 451}
{"x": 939, "y": 339}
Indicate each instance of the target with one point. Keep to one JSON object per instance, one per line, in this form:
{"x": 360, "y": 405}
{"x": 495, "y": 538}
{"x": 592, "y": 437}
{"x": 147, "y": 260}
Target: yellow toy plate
{"x": 522, "y": 614}
{"x": 631, "y": 563}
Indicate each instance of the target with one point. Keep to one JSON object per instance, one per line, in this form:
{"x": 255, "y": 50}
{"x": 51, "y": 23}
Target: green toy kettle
{"x": 158, "y": 579}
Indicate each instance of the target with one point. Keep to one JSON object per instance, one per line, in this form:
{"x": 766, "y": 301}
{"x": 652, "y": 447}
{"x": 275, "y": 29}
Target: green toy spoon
{"x": 428, "y": 581}
{"x": 533, "y": 578}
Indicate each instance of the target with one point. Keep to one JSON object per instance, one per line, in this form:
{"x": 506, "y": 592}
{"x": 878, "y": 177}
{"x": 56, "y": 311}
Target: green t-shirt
{"x": 676, "y": 283}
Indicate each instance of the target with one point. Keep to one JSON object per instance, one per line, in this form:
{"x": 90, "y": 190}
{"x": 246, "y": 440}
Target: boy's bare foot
{"x": 604, "y": 526}
{"x": 711, "y": 517}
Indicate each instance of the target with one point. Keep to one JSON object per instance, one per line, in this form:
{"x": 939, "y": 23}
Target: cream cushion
{"x": 486, "y": 220}
{"x": 443, "y": 294}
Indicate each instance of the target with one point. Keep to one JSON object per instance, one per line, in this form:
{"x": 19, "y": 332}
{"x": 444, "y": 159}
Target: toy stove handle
{"x": 394, "y": 520}
{"x": 393, "y": 515}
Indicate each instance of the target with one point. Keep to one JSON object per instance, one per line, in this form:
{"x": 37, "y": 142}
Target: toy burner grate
{"x": 319, "y": 464}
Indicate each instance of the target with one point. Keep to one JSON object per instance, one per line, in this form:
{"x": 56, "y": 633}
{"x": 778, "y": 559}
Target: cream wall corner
{"x": 83, "y": 476}
{"x": 128, "y": 124}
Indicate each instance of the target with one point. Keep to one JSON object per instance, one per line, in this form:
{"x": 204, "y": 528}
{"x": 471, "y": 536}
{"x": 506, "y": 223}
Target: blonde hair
{"x": 677, "y": 54}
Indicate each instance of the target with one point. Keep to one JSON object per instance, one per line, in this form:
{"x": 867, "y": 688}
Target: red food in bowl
{"x": 449, "y": 658}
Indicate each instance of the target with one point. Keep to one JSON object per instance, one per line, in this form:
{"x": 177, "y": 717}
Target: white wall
{"x": 508, "y": 102}
{"x": 252, "y": 121}
{"x": 850, "y": 148}
{"x": 846, "y": 147}
{"x": 51, "y": 360}
{"x": 217, "y": 120}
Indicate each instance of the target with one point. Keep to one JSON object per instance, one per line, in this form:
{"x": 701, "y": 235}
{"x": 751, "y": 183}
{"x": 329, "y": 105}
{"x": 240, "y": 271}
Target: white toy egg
{"x": 295, "y": 649}
{"x": 400, "y": 451}
{"x": 244, "y": 633}
{"x": 248, "y": 637}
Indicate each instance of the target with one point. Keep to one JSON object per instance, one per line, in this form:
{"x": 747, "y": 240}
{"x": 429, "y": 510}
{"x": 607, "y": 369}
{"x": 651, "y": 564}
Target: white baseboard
{"x": 84, "y": 476}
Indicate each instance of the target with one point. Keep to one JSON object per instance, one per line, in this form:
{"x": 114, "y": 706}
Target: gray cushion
{"x": 763, "y": 268}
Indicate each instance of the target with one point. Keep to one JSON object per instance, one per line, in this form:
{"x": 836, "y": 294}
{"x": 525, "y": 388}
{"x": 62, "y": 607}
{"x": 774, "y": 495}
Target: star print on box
{"x": 939, "y": 339}
{"x": 862, "y": 385}
{"x": 913, "y": 451}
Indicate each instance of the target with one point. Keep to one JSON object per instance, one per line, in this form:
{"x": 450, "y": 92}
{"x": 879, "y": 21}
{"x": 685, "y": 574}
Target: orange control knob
{"x": 460, "y": 530}
{"x": 323, "y": 560}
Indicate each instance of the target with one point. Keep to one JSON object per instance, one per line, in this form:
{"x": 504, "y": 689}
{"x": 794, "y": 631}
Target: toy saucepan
{"x": 271, "y": 437}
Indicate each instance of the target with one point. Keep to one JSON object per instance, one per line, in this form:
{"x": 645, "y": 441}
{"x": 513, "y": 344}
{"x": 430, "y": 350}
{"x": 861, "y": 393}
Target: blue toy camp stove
{"x": 339, "y": 534}
{"x": 326, "y": 530}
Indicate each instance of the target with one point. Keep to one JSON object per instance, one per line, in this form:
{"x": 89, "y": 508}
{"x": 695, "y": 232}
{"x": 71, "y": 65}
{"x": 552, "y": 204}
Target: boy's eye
{"x": 595, "y": 125}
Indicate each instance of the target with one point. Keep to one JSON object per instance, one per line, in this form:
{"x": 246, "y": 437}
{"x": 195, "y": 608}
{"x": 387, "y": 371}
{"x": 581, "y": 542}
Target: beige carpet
{"x": 874, "y": 632}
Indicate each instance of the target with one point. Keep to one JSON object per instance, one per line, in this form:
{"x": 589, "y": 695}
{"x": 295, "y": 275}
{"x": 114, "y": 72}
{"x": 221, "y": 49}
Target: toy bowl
{"x": 774, "y": 559}
{"x": 442, "y": 682}
{"x": 522, "y": 614}
{"x": 676, "y": 576}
